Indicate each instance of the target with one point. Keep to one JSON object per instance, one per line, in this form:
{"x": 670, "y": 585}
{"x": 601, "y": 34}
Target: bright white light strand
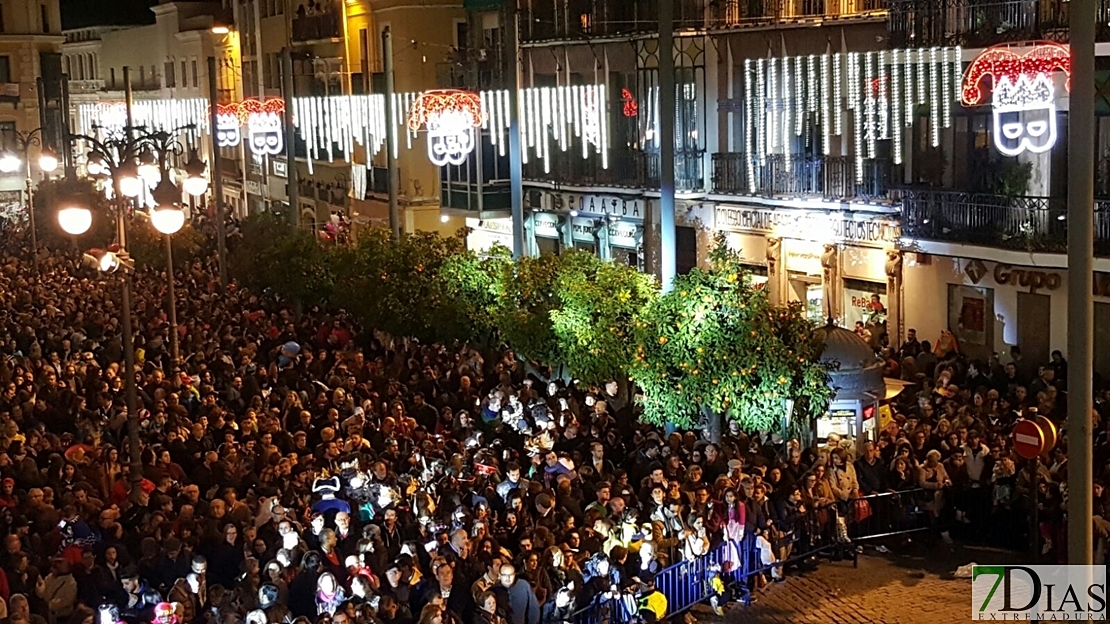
{"x": 824, "y": 92}
{"x": 837, "y": 96}
{"x": 884, "y": 110}
{"x": 749, "y": 124}
{"x": 946, "y": 88}
{"x": 934, "y": 98}
{"x": 896, "y": 104}
{"x": 868, "y": 104}
{"x": 761, "y": 105}
{"x": 801, "y": 104}
{"x": 772, "y": 139}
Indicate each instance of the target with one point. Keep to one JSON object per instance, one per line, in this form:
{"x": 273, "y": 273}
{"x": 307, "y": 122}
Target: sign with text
{"x": 817, "y": 226}
{"x": 1047, "y": 593}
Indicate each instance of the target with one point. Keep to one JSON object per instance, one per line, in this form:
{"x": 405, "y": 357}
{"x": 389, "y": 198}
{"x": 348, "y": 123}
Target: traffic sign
{"x": 1028, "y": 439}
{"x": 1049, "y": 429}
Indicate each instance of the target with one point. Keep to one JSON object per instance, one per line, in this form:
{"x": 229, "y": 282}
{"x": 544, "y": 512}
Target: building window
{"x": 184, "y": 76}
{"x": 196, "y": 78}
{"x": 45, "y": 18}
{"x": 5, "y": 69}
{"x": 170, "y": 82}
{"x": 7, "y": 135}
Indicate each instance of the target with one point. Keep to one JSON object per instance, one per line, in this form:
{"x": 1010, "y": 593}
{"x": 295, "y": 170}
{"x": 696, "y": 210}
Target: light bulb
{"x": 75, "y": 220}
{"x": 131, "y": 186}
{"x": 167, "y": 219}
{"x": 48, "y": 162}
{"x": 9, "y": 163}
{"x": 195, "y": 185}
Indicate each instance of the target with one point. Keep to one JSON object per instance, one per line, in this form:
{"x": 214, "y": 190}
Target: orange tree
{"x": 715, "y": 345}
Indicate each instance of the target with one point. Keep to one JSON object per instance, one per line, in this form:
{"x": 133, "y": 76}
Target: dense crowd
{"x": 299, "y": 468}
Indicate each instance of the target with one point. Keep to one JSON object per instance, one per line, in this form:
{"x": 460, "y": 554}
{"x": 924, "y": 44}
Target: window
{"x": 45, "y": 18}
{"x": 169, "y": 75}
{"x": 112, "y": 75}
{"x": 184, "y": 76}
{"x": 196, "y": 81}
{"x": 5, "y": 69}
{"x": 7, "y": 135}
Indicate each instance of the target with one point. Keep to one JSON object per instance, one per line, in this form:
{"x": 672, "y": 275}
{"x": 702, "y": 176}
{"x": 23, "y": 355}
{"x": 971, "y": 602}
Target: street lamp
{"x": 75, "y": 220}
{"x": 127, "y": 177}
{"x": 9, "y": 163}
{"x": 148, "y": 168}
{"x": 195, "y": 183}
{"x": 48, "y": 160}
{"x": 167, "y": 217}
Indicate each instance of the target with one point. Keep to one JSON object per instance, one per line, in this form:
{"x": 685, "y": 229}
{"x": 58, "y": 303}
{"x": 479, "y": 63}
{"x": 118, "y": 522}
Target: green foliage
{"x": 716, "y": 341}
{"x": 274, "y": 255}
{"x": 424, "y": 286}
{"x": 472, "y": 285}
{"x": 1009, "y": 176}
{"x": 525, "y": 300}
{"x": 147, "y": 246}
{"x": 598, "y": 303}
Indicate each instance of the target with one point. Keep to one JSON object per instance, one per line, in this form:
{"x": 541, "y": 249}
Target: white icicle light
{"x": 837, "y": 96}
{"x": 749, "y": 125}
{"x": 854, "y": 88}
{"x": 946, "y": 88}
{"x": 934, "y": 108}
{"x": 881, "y": 99}
{"x": 895, "y": 103}
{"x": 868, "y": 104}
{"x": 761, "y": 113}
{"x": 772, "y": 88}
{"x": 801, "y": 103}
{"x": 908, "y": 78}
{"x": 824, "y": 94}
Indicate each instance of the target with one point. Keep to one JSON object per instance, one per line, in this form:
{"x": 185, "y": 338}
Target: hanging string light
{"x": 896, "y": 104}
{"x": 824, "y": 118}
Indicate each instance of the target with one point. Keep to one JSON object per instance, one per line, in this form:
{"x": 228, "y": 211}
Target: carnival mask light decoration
{"x": 228, "y": 125}
{"x": 264, "y": 125}
{"x": 1023, "y": 98}
{"x": 450, "y": 116}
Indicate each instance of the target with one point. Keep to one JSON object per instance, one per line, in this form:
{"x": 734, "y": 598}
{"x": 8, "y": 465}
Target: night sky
{"x": 81, "y": 13}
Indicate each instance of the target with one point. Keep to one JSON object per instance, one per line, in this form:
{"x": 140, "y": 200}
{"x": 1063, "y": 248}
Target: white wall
{"x": 926, "y": 300}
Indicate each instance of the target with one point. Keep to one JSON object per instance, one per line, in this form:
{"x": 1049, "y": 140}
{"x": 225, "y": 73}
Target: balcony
{"x": 738, "y": 13}
{"x": 320, "y": 26}
{"x": 546, "y": 20}
{"x": 1017, "y": 223}
{"x": 980, "y": 23}
{"x": 634, "y": 170}
{"x": 830, "y": 177}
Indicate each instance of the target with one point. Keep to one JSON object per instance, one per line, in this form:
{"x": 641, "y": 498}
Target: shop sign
{"x": 545, "y": 225}
{"x": 279, "y": 168}
{"x": 1026, "y": 278}
{"x": 253, "y": 187}
{"x": 583, "y": 230}
{"x": 809, "y": 225}
{"x": 624, "y": 234}
{"x": 631, "y": 208}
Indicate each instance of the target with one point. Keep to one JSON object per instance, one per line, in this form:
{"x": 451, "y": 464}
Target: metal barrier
{"x": 889, "y": 514}
{"x": 738, "y": 563}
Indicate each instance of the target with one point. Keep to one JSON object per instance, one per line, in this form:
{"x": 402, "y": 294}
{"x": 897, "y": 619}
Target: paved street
{"x": 884, "y": 589}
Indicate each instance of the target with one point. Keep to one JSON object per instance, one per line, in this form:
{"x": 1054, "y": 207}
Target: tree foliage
{"x": 148, "y": 247}
{"x": 715, "y": 341}
{"x": 525, "y": 300}
{"x": 274, "y": 255}
{"x": 598, "y": 302}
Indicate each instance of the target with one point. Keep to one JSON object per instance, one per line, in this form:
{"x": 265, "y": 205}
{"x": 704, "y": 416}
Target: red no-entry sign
{"x": 1028, "y": 439}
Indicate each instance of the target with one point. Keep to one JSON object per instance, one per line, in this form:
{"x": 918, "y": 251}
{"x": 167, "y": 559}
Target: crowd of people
{"x": 299, "y": 468}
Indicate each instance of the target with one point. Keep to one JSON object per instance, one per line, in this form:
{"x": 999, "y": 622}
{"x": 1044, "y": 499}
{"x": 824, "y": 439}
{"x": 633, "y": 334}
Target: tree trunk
{"x": 714, "y": 425}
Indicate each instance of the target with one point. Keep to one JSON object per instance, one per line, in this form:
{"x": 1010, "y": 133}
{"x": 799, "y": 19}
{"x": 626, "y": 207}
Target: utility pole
{"x": 125, "y": 315}
{"x": 288, "y": 89}
{"x": 516, "y": 153}
{"x": 390, "y": 136}
{"x": 666, "y": 139}
{"x": 1081, "y": 202}
{"x": 214, "y": 172}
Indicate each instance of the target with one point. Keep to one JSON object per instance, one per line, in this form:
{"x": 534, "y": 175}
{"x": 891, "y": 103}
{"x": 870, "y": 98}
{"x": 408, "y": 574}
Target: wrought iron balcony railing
{"x": 978, "y": 23}
{"x": 625, "y": 169}
{"x": 829, "y": 177}
{"x": 732, "y": 13}
{"x": 545, "y": 20}
{"x": 319, "y": 26}
{"x": 1019, "y": 223}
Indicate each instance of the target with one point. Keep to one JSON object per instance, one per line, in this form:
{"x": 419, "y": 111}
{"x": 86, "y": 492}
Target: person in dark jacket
{"x": 870, "y": 471}
{"x": 517, "y": 597}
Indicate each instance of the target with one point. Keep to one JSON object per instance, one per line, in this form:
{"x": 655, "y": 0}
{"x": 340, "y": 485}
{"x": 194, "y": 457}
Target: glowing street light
{"x": 10, "y": 163}
{"x": 75, "y": 220}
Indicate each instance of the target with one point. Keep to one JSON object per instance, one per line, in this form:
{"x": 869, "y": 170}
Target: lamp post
{"x": 130, "y": 162}
{"x": 11, "y": 161}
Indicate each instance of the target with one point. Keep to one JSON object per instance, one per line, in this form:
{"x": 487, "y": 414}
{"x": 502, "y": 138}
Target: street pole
{"x": 31, "y": 206}
{"x": 175, "y": 352}
{"x": 666, "y": 145}
{"x": 516, "y": 155}
{"x": 291, "y": 175}
{"x": 125, "y": 317}
{"x": 390, "y": 135}
{"x": 217, "y": 185}
{"x": 1081, "y": 201}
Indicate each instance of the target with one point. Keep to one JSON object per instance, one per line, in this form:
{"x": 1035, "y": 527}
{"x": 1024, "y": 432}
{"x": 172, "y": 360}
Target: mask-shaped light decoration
{"x": 450, "y": 116}
{"x": 228, "y": 125}
{"x": 264, "y": 125}
{"x": 1023, "y": 96}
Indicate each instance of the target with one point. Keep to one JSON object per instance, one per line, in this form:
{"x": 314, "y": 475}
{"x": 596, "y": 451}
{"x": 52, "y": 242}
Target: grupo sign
{"x": 1032, "y": 279}
{"x": 817, "y": 226}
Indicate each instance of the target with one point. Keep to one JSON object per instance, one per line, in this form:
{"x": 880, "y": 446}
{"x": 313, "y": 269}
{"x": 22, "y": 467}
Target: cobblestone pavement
{"x": 883, "y": 589}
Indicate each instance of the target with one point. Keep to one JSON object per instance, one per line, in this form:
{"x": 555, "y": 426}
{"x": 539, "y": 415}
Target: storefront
{"x": 991, "y": 306}
{"x": 609, "y": 226}
{"x": 485, "y": 233}
{"x": 838, "y": 263}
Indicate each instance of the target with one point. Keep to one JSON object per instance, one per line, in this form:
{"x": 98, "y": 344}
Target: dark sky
{"x": 81, "y": 13}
